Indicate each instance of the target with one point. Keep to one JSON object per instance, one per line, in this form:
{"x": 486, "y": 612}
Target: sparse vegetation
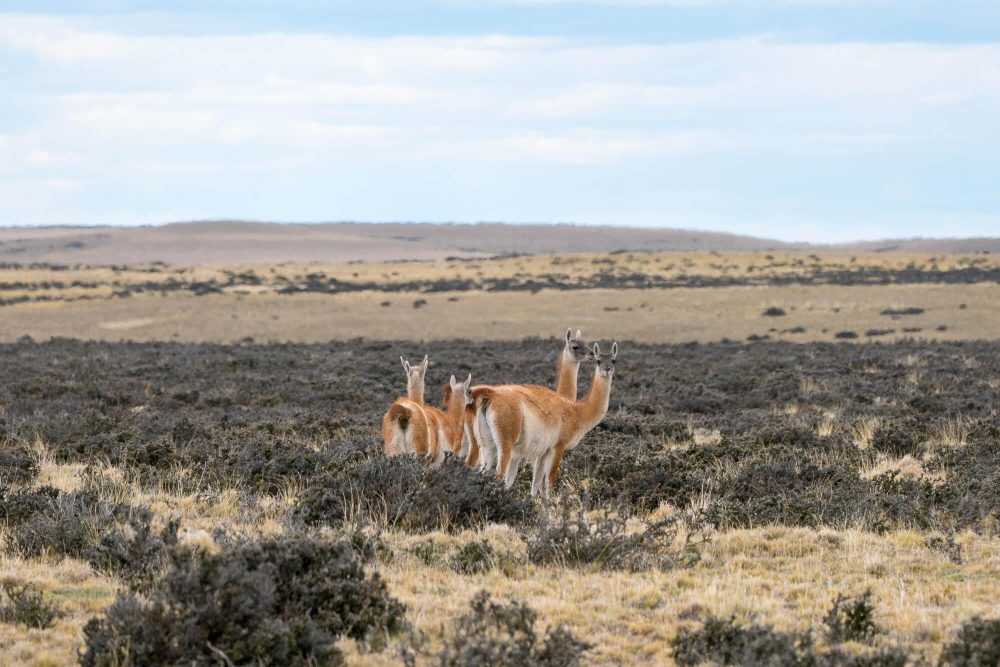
{"x": 23, "y": 604}
{"x": 269, "y": 602}
{"x": 780, "y": 453}
{"x": 494, "y": 633}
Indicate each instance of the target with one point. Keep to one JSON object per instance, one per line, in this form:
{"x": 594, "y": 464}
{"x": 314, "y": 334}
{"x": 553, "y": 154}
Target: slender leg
{"x": 557, "y": 454}
{"x": 511, "y": 475}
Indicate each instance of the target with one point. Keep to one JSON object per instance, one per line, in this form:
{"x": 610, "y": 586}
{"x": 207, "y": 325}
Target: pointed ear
{"x": 423, "y": 365}
{"x": 569, "y": 335}
{"x": 579, "y": 336}
{"x": 468, "y": 382}
{"x": 596, "y": 351}
{"x": 406, "y": 365}
{"x": 614, "y": 350}
{"x": 452, "y": 381}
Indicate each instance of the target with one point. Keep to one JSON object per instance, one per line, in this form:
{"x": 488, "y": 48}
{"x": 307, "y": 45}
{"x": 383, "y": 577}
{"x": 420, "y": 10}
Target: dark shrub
{"x": 407, "y": 492}
{"x": 17, "y": 465}
{"x": 845, "y": 335}
{"x": 896, "y": 312}
{"x": 851, "y": 620}
{"x": 977, "y": 645}
{"x": 496, "y": 634}
{"x": 115, "y": 538}
{"x": 725, "y": 642}
{"x": 16, "y": 507}
{"x": 273, "y": 602}
{"x": 774, "y": 311}
{"x": 879, "y": 332}
{"x": 899, "y": 437}
{"x": 27, "y": 606}
{"x": 571, "y": 538}
{"x": 475, "y": 557}
{"x": 134, "y": 552}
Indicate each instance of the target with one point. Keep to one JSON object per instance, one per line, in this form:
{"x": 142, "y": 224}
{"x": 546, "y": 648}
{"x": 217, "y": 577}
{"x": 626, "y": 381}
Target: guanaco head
{"x": 605, "y": 361}
{"x": 415, "y": 374}
{"x": 462, "y": 388}
{"x": 576, "y": 349}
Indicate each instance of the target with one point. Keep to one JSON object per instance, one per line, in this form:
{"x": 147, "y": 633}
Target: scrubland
{"x": 822, "y": 503}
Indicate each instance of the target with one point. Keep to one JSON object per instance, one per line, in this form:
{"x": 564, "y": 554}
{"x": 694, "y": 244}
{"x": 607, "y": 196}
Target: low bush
{"x": 502, "y": 635}
{"x": 115, "y": 538}
{"x": 851, "y": 620}
{"x": 724, "y": 642}
{"x": 475, "y": 557}
{"x": 272, "y": 602}
{"x": 25, "y": 605}
{"x": 17, "y": 465}
{"x": 408, "y": 493}
{"x": 977, "y": 645}
{"x": 572, "y": 537}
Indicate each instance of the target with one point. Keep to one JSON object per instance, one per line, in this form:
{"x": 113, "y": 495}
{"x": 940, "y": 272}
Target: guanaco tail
{"x": 528, "y": 422}
{"x": 575, "y": 351}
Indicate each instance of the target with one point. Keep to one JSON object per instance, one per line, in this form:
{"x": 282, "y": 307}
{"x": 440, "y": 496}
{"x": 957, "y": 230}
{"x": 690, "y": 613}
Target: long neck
{"x": 566, "y": 375}
{"x": 415, "y": 389}
{"x": 455, "y": 414}
{"x": 591, "y": 410}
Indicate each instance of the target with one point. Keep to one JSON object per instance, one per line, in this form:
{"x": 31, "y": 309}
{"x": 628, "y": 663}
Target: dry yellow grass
{"x": 678, "y": 315}
{"x": 656, "y": 315}
{"x": 782, "y": 576}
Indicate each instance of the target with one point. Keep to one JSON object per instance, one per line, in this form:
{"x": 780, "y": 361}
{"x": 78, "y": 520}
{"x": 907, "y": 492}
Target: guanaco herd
{"x": 496, "y": 427}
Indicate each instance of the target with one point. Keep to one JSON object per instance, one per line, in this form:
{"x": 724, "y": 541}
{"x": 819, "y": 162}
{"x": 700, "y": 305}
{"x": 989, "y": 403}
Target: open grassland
{"x": 778, "y": 476}
{"x": 653, "y": 297}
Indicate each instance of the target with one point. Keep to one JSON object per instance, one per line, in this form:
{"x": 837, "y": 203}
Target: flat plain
{"x": 756, "y": 463}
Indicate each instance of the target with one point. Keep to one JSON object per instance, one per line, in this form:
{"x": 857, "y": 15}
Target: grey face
{"x": 577, "y": 346}
{"x": 605, "y": 361}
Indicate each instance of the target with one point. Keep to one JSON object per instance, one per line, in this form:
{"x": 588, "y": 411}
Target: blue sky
{"x": 819, "y": 120}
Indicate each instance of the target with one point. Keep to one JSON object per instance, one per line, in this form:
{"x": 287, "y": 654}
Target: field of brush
{"x": 823, "y": 503}
{"x": 657, "y": 297}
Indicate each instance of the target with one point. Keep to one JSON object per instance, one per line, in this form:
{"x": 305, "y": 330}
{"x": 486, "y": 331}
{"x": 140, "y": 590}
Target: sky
{"x": 800, "y": 120}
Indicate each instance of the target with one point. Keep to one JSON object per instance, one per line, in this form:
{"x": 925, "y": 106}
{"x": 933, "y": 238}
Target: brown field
{"x": 81, "y": 302}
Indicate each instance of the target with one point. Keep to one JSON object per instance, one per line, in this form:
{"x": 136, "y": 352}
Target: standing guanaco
{"x": 415, "y": 379}
{"x": 537, "y": 424}
{"x": 573, "y": 353}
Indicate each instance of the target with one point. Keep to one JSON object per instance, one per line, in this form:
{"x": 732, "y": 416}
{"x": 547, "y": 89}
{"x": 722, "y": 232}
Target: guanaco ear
{"x": 579, "y": 336}
{"x": 614, "y": 350}
{"x": 596, "y": 351}
{"x": 423, "y": 365}
{"x": 569, "y": 335}
{"x": 468, "y": 382}
{"x": 406, "y": 365}
{"x": 452, "y": 381}
{"x": 466, "y": 386}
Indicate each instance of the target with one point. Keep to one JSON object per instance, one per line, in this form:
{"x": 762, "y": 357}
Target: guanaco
{"x": 411, "y": 427}
{"x": 537, "y": 424}
{"x": 415, "y": 379}
{"x": 574, "y": 352}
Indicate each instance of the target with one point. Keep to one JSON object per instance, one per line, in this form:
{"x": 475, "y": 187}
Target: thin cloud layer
{"x": 750, "y": 133}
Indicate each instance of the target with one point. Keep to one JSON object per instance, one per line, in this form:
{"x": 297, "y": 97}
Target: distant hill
{"x": 226, "y": 242}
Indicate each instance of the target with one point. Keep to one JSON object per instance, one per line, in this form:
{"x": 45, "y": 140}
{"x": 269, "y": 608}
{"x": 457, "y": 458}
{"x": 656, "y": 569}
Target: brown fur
{"x": 567, "y": 370}
{"x": 405, "y": 423}
{"x": 529, "y": 421}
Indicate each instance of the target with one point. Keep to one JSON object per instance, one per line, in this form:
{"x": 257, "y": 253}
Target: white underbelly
{"x": 537, "y": 437}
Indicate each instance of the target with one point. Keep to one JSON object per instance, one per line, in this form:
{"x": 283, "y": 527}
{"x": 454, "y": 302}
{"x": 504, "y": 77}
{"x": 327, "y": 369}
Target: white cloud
{"x": 97, "y": 102}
